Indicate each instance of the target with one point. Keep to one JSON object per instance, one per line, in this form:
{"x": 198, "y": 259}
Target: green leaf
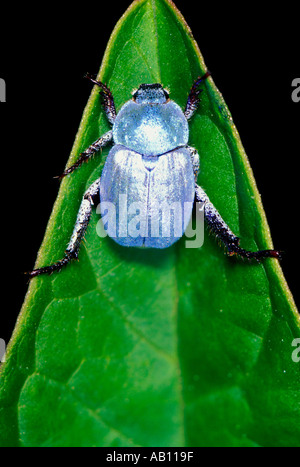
{"x": 180, "y": 347}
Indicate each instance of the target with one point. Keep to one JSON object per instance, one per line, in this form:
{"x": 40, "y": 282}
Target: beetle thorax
{"x": 151, "y": 129}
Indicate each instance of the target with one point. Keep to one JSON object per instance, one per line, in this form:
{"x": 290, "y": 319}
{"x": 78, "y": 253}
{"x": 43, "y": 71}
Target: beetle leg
{"x": 89, "y": 152}
{"x": 108, "y": 100}
{"x": 218, "y": 226}
{"x": 89, "y": 198}
{"x": 193, "y": 97}
{"x": 195, "y": 160}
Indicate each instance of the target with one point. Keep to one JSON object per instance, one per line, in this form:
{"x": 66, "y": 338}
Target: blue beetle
{"x": 149, "y": 170}
{"x": 151, "y": 165}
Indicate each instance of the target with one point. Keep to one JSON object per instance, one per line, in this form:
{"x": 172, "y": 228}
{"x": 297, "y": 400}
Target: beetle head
{"x": 150, "y": 94}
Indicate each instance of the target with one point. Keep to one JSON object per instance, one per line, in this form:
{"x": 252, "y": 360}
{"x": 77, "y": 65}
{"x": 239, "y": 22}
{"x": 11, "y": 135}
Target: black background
{"x": 253, "y": 55}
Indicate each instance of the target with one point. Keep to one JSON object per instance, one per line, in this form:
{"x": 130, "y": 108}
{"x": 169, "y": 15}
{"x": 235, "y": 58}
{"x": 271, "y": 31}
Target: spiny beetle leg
{"x": 90, "y": 198}
{"x": 193, "y": 97}
{"x": 88, "y": 153}
{"x": 221, "y": 230}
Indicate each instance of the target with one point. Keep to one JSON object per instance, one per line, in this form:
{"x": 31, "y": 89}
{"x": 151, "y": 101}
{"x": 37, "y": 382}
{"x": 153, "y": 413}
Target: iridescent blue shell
{"x": 147, "y": 186}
